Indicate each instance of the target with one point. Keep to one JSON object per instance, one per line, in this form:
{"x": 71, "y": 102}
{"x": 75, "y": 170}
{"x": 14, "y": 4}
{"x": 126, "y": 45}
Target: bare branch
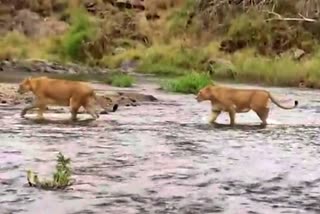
{"x": 307, "y": 19}
{"x": 281, "y": 18}
{"x": 274, "y": 13}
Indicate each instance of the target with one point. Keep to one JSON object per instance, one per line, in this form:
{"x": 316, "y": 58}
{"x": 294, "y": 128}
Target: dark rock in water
{"x": 104, "y": 112}
{"x": 115, "y": 107}
{"x": 151, "y": 98}
{"x": 138, "y": 97}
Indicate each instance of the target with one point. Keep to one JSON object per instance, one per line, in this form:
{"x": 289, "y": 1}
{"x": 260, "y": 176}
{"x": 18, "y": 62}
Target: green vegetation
{"x": 61, "y": 177}
{"x": 188, "y": 83}
{"x": 82, "y": 29}
{"x": 177, "y": 21}
{"x": 121, "y": 80}
{"x": 173, "y": 59}
{"x": 113, "y": 78}
{"x": 186, "y": 40}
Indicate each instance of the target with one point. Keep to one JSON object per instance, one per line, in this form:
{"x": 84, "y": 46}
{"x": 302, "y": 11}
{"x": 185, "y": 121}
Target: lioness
{"x": 59, "y": 92}
{"x": 234, "y": 101}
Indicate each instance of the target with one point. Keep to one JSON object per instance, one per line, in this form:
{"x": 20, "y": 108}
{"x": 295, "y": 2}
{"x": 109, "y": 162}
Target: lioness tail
{"x": 281, "y": 106}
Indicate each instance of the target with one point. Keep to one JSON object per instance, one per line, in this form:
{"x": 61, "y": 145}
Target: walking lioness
{"x": 59, "y": 92}
{"x": 234, "y": 101}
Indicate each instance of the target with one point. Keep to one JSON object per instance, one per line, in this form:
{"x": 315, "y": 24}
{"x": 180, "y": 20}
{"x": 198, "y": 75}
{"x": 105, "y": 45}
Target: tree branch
{"x": 281, "y": 18}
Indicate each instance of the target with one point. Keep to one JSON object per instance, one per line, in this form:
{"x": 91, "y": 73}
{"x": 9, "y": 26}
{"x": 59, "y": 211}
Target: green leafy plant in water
{"x": 63, "y": 172}
{"x": 61, "y": 177}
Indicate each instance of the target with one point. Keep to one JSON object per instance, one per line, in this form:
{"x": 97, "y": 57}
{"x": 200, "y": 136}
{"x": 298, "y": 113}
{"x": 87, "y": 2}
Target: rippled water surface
{"x": 164, "y": 158}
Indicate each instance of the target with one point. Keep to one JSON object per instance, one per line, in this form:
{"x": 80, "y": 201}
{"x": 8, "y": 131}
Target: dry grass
{"x": 163, "y": 4}
{"x": 15, "y": 45}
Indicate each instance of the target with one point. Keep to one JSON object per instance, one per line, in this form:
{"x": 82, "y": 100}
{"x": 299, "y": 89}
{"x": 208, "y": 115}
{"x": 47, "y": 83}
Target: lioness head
{"x": 203, "y": 94}
{"x": 24, "y": 86}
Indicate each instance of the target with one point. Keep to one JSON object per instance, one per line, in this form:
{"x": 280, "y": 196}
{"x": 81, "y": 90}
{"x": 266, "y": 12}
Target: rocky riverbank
{"x": 46, "y": 67}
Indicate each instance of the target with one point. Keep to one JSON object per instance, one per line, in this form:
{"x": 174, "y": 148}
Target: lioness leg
{"x": 263, "y": 114}
{"x": 41, "y": 109}
{"x": 232, "y": 115}
{"x": 26, "y": 109}
{"x": 74, "y": 107}
{"x": 34, "y": 104}
{"x": 214, "y": 116}
{"x": 90, "y": 108}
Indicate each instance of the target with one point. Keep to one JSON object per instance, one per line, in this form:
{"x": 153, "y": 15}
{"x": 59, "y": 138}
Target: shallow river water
{"x": 163, "y": 157}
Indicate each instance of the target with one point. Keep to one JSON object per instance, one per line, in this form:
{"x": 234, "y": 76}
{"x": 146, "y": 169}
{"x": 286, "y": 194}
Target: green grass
{"x": 282, "y": 71}
{"x": 122, "y": 80}
{"x": 173, "y": 59}
{"x": 188, "y": 84}
{"x": 112, "y": 78}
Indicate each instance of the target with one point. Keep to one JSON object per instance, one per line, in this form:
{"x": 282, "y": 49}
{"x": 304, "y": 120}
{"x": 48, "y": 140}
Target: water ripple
{"x": 165, "y": 158}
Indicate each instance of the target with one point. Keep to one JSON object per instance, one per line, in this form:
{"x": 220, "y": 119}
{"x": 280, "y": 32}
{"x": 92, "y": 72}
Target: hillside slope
{"x": 273, "y": 42}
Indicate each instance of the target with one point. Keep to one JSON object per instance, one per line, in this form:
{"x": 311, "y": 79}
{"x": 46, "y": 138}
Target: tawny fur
{"x": 59, "y": 92}
{"x": 234, "y": 100}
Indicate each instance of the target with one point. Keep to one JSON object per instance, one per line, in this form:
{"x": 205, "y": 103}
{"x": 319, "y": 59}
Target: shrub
{"x": 81, "y": 30}
{"x": 252, "y": 30}
{"x": 189, "y": 83}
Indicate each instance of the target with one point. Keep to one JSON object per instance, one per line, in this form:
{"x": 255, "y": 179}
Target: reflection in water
{"x": 164, "y": 158}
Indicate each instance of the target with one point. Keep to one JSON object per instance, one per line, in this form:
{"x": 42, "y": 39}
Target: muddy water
{"x": 164, "y": 158}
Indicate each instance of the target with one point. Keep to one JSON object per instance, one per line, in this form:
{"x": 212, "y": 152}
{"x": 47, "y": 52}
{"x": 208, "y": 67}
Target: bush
{"x": 269, "y": 38}
{"x": 81, "y": 30}
{"x": 189, "y": 83}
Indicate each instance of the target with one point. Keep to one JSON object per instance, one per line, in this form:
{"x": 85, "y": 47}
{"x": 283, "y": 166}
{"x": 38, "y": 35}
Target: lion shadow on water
{"x": 226, "y": 127}
{"x": 67, "y": 120}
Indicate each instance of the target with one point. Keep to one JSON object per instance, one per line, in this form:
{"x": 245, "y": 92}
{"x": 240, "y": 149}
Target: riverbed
{"x": 163, "y": 157}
